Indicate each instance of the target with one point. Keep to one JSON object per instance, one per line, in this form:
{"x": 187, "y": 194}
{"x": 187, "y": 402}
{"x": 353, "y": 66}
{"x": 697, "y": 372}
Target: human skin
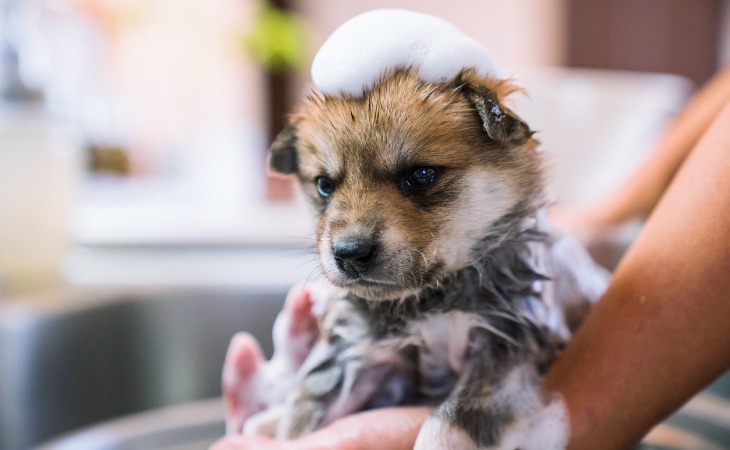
{"x": 658, "y": 335}
{"x": 640, "y": 193}
{"x": 660, "y": 332}
{"x": 388, "y": 428}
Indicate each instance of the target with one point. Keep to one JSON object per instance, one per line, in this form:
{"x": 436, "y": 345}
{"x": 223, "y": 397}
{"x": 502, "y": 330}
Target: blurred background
{"x": 138, "y": 227}
{"x": 137, "y": 125}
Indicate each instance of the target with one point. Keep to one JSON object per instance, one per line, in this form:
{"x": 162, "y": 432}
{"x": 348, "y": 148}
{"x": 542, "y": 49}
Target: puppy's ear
{"x": 283, "y": 152}
{"x": 500, "y": 123}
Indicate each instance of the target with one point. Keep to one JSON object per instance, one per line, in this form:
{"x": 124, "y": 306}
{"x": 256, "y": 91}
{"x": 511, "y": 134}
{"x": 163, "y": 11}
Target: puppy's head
{"x": 408, "y": 179}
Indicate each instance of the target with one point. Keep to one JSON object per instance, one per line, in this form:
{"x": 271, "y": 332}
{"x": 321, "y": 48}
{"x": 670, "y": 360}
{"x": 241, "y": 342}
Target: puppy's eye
{"x": 420, "y": 177}
{"x": 325, "y": 186}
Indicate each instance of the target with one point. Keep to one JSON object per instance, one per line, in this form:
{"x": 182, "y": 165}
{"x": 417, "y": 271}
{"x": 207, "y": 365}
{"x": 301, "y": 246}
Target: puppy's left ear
{"x": 283, "y": 152}
{"x": 500, "y": 124}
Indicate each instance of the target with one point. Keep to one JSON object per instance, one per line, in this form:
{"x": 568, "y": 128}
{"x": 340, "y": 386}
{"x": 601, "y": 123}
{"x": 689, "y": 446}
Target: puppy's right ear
{"x": 283, "y": 152}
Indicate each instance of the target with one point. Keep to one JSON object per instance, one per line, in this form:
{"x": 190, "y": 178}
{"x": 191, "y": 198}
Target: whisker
{"x": 304, "y": 264}
{"x": 298, "y": 253}
{"x": 314, "y": 275}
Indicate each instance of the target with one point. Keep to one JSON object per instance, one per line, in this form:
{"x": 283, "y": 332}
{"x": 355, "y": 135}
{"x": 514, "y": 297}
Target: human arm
{"x": 660, "y": 333}
{"x": 639, "y": 194}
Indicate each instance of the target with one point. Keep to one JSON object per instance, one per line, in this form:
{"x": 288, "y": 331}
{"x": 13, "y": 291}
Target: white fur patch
{"x": 538, "y": 425}
{"x": 488, "y": 197}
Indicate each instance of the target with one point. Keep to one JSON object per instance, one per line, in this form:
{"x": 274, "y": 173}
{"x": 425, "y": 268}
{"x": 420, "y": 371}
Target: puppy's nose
{"x": 353, "y": 255}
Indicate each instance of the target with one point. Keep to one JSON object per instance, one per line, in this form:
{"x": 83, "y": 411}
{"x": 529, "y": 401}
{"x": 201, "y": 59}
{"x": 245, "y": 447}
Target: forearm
{"x": 660, "y": 332}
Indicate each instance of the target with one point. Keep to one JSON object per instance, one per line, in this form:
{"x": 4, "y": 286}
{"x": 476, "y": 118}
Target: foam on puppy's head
{"x": 364, "y": 48}
{"x": 361, "y": 52}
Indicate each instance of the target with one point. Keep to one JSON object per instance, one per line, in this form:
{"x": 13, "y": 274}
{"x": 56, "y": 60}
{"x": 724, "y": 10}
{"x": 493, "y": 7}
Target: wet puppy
{"x": 449, "y": 286}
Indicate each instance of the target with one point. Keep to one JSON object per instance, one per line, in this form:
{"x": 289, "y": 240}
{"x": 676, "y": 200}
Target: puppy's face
{"x": 408, "y": 179}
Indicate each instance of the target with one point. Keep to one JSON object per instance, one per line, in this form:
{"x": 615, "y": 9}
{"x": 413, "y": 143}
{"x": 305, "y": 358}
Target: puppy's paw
{"x": 243, "y": 364}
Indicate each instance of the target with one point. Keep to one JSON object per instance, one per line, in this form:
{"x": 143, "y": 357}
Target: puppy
{"x": 448, "y": 285}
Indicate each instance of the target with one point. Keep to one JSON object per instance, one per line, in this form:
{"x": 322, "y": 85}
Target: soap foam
{"x": 364, "y": 48}
{"x": 539, "y": 423}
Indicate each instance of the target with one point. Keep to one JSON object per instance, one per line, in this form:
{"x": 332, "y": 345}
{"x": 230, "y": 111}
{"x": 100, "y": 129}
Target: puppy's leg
{"x": 348, "y": 370}
{"x": 307, "y": 404}
{"x": 250, "y": 384}
{"x": 346, "y": 387}
{"x": 469, "y": 418}
{"x": 494, "y": 410}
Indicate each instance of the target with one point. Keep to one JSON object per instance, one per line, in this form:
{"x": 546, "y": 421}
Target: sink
{"x": 193, "y": 426}
{"x": 141, "y": 371}
{"x": 65, "y": 368}
{"x": 703, "y": 424}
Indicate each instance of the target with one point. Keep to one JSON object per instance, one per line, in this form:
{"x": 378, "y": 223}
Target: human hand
{"x": 251, "y": 384}
{"x": 387, "y": 428}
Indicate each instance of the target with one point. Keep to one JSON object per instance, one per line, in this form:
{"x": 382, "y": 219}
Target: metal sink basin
{"x": 193, "y": 426}
{"x": 142, "y": 372}
{"x": 68, "y": 367}
{"x": 703, "y": 424}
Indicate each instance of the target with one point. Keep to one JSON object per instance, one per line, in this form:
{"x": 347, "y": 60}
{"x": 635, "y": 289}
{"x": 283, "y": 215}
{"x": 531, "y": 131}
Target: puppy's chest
{"x": 459, "y": 321}
{"x": 505, "y": 308}
{"x": 424, "y": 347}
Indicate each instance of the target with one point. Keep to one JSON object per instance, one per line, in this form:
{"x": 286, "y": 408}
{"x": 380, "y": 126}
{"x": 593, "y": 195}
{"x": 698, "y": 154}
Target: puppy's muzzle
{"x": 354, "y": 255}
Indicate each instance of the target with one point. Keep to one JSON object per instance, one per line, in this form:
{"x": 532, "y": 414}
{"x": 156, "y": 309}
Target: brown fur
{"x": 366, "y": 145}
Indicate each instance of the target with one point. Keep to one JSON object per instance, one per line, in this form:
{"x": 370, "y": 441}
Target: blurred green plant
{"x": 278, "y": 39}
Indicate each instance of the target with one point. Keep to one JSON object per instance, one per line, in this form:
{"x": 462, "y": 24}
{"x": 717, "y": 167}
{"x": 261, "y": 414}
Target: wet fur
{"x": 469, "y": 281}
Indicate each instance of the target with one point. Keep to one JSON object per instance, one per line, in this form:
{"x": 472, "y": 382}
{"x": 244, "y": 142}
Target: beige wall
{"x": 518, "y": 32}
